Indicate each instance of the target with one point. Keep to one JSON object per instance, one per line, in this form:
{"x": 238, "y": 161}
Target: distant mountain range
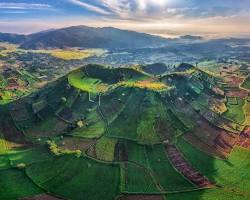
{"x": 85, "y": 37}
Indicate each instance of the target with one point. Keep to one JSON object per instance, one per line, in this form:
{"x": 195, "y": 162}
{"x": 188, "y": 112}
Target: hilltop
{"x": 85, "y": 37}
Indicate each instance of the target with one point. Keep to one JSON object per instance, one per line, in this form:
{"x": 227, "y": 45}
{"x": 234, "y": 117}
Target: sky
{"x": 168, "y": 18}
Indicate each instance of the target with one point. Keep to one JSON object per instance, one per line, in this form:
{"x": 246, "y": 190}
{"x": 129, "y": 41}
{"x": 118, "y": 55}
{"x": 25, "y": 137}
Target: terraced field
{"x": 101, "y": 133}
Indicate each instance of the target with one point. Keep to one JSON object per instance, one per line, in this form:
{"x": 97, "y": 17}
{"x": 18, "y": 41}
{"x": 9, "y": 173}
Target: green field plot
{"x": 177, "y": 123}
{"x": 164, "y": 173}
{"x": 80, "y": 179}
{"x": 81, "y": 106}
{"x": 47, "y": 127}
{"x": 146, "y": 132}
{"x": 211, "y": 66}
{"x": 137, "y": 179}
{"x": 136, "y": 153}
{"x": 202, "y": 100}
{"x": 211, "y": 194}
{"x": 4, "y": 162}
{"x": 246, "y": 83}
{"x": 235, "y": 112}
{"x": 113, "y": 104}
{"x": 230, "y": 173}
{"x": 29, "y": 156}
{"x": 14, "y": 184}
{"x": 184, "y": 119}
{"x": 44, "y": 171}
{"x": 87, "y": 84}
{"x": 125, "y": 125}
{"x": 105, "y": 148}
{"x": 94, "y": 127}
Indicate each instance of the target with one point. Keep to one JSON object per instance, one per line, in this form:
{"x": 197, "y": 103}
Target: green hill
{"x": 105, "y": 133}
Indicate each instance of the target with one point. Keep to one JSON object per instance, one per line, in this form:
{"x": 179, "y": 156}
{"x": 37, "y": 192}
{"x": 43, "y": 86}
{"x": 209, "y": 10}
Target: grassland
{"x": 246, "y": 83}
{"x": 235, "y": 111}
{"x": 15, "y": 184}
{"x": 137, "y": 179}
{"x": 105, "y": 149}
{"x": 246, "y": 109}
{"x": 71, "y": 54}
{"x": 215, "y": 194}
{"x": 123, "y": 142}
{"x": 155, "y": 163}
{"x": 29, "y": 156}
{"x": 87, "y": 84}
{"x": 125, "y": 125}
{"x": 94, "y": 129}
{"x": 169, "y": 179}
{"x": 236, "y": 165}
{"x": 4, "y": 162}
{"x": 77, "y": 178}
{"x": 146, "y": 132}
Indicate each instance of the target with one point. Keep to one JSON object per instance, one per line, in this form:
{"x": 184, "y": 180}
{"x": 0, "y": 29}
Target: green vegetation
{"x": 137, "y": 179}
{"x": 4, "y": 162}
{"x": 246, "y": 83}
{"x": 169, "y": 179}
{"x": 235, "y": 111}
{"x": 15, "y": 184}
{"x": 67, "y": 141}
{"x": 215, "y": 194}
{"x": 236, "y": 165}
{"x": 125, "y": 125}
{"x": 146, "y": 132}
{"x": 79, "y": 80}
{"x": 29, "y": 156}
{"x": 94, "y": 127}
{"x": 81, "y": 178}
{"x": 105, "y": 149}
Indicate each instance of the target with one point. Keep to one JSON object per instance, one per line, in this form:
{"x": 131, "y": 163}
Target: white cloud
{"x": 90, "y": 7}
{"x": 24, "y": 6}
{"x": 136, "y": 8}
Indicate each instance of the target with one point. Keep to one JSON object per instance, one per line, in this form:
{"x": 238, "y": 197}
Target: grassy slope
{"x": 80, "y": 179}
{"x": 154, "y": 159}
{"x": 105, "y": 148}
{"x": 95, "y": 129}
{"x": 246, "y": 83}
{"x": 169, "y": 179}
{"x": 125, "y": 125}
{"x": 15, "y": 184}
{"x": 235, "y": 112}
{"x": 87, "y": 84}
{"x": 138, "y": 175}
{"x": 145, "y": 130}
{"x": 237, "y": 166}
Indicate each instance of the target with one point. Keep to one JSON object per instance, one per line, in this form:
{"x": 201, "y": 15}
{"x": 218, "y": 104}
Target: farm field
{"x": 82, "y": 185}
{"x": 218, "y": 170}
{"x": 235, "y": 112}
{"x": 246, "y": 83}
{"x": 121, "y": 133}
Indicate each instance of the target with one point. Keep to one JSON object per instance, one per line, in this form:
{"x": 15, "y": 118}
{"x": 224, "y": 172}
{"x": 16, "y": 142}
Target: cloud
{"x": 24, "y": 6}
{"x": 161, "y": 9}
{"x": 90, "y": 7}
